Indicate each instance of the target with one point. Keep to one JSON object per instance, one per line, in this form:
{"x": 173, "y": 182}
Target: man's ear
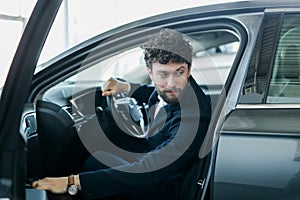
{"x": 150, "y": 73}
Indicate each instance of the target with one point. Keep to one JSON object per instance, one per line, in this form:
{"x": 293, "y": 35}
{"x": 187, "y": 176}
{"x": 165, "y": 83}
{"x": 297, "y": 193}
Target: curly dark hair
{"x": 167, "y": 46}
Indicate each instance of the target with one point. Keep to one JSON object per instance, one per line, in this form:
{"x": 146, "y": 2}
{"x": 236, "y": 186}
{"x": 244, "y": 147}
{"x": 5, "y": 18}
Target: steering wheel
{"x": 127, "y": 115}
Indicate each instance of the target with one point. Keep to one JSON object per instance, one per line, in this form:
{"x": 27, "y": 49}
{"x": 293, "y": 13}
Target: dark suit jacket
{"x": 164, "y": 157}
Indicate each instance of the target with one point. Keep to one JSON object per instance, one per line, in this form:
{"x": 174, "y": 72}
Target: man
{"x": 175, "y": 132}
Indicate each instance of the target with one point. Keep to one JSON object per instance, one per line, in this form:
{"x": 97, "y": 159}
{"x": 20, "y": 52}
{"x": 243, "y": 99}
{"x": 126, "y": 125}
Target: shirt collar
{"x": 161, "y": 101}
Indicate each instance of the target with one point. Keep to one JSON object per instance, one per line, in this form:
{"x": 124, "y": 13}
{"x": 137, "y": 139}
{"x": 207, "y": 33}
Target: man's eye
{"x": 180, "y": 72}
{"x": 163, "y": 74}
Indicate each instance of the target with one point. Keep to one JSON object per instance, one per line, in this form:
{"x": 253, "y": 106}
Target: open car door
{"x": 14, "y": 97}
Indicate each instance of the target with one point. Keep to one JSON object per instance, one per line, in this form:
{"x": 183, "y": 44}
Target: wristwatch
{"x": 72, "y": 188}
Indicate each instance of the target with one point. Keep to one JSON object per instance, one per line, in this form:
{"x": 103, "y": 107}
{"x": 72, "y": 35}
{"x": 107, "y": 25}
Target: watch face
{"x": 72, "y": 189}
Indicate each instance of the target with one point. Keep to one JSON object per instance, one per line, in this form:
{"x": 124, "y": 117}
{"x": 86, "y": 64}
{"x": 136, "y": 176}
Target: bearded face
{"x": 169, "y": 95}
{"x": 169, "y": 79}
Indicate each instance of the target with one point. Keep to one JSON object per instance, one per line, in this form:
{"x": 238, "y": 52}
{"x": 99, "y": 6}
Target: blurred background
{"x": 72, "y": 27}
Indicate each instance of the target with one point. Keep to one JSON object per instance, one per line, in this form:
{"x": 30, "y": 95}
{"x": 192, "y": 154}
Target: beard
{"x": 170, "y": 99}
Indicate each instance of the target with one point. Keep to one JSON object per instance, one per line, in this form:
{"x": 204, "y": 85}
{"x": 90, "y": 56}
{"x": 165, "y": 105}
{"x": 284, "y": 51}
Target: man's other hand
{"x": 114, "y": 86}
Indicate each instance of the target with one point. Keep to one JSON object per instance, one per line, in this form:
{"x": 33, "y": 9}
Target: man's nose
{"x": 171, "y": 82}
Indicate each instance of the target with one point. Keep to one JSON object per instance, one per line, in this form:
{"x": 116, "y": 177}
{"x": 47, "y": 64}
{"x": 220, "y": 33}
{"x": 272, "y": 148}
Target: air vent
{"x": 75, "y": 115}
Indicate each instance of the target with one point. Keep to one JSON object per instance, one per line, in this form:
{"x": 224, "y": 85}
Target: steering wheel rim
{"x": 127, "y": 115}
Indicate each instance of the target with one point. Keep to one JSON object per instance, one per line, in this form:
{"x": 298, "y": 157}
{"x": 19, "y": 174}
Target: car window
{"x": 274, "y": 69}
{"x": 213, "y": 60}
{"x": 285, "y": 81}
{"x": 214, "y": 52}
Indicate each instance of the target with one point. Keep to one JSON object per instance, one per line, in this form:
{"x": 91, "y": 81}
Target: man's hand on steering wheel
{"x": 122, "y": 110}
{"x": 114, "y": 86}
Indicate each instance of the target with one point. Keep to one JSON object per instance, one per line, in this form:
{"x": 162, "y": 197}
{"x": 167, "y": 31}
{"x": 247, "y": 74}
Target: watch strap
{"x": 71, "y": 180}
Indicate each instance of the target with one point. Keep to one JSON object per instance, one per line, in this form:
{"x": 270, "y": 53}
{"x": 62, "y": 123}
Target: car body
{"x": 246, "y": 58}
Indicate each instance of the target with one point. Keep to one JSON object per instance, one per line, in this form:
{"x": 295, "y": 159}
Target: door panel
{"x": 259, "y": 155}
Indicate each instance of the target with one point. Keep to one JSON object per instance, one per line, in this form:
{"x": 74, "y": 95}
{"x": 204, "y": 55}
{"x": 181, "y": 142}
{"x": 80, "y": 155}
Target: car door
{"x": 258, "y": 150}
{"x": 14, "y": 96}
